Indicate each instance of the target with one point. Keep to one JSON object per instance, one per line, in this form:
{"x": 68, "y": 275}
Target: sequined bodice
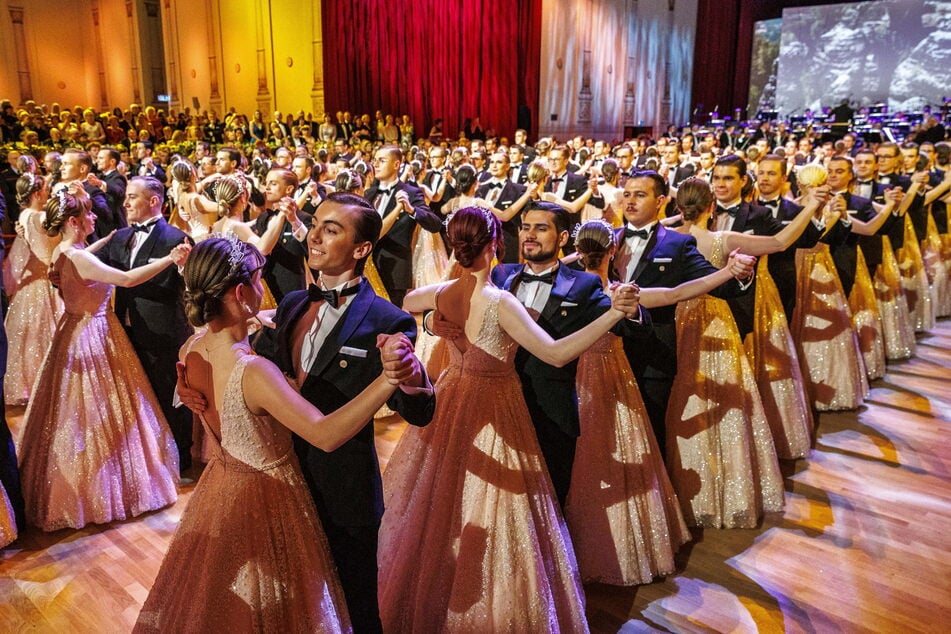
{"x": 79, "y": 296}
{"x": 493, "y": 350}
{"x": 248, "y": 442}
{"x": 718, "y": 256}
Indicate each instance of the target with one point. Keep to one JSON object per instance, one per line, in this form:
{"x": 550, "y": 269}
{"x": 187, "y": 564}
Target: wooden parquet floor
{"x": 864, "y": 544}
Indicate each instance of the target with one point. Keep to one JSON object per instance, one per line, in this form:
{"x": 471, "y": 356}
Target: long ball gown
{"x": 33, "y": 313}
{"x": 720, "y": 450}
{"x": 775, "y": 362}
{"x": 898, "y": 330}
{"x": 250, "y": 554}
{"x": 822, "y": 327}
{"x": 932, "y": 253}
{"x": 472, "y": 538}
{"x": 867, "y": 320}
{"x": 622, "y": 513}
{"x": 8, "y": 524}
{"x": 96, "y": 447}
{"x": 915, "y": 281}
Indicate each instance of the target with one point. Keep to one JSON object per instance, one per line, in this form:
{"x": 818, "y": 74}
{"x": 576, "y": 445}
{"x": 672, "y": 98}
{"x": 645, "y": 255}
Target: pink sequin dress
{"x": 250, "y": 554}
{"x": 95, "y": 446}
{"x": 33, "y": 313}
{"x": 472, "y": 538}
{"x": 624, "y": 518}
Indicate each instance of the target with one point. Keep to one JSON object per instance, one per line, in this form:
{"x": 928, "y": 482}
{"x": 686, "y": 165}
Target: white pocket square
{"x": 662, "y": 260}
{"x": 353, "y": 352}
{"x": 748, "y": 231}
{"x": 569, "y": 304}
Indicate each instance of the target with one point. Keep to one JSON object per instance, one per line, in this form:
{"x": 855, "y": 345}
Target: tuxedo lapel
{"x": 344, "y": 328}
{"x": 285, "y": 335}
{"x": 142, "y": 257}
{"x": 646, "y": 255}
{"x": 559, "y": 290}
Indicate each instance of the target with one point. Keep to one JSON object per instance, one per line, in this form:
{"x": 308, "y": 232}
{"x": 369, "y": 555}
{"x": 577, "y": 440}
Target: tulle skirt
{"x": 898, "y": 331}
{"x": 30, "y": 323}
{"x": 867, "y": 320}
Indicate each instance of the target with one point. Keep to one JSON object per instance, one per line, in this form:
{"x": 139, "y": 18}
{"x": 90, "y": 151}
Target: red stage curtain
{"x": 432, "y": 59}
{"x": 717, "y": 77}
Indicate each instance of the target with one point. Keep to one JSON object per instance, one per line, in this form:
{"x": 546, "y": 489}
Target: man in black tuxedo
{"x": 651, "y": 256}
{"x": 393, "y": 254}
{"x": 568, "y": 186}
{"x": 770, "y": 181}
{"x": 732, "y": 214}
{"x": 77, "y": 166}
{"x": 111, "y": 183}
{"x": 153, "y": 312}
{"x": 678, "y": 170}
{"x": 508, "y": 197}
{"x": 145, "y": 164}
{"x": 325, "y": 340}
{"x": 284, "y": 266}
{"x": 436, "y": 181}
{"x": 565, "y": 300}
{"x": 308, "y": 191}
{"x": 518, "y": 165}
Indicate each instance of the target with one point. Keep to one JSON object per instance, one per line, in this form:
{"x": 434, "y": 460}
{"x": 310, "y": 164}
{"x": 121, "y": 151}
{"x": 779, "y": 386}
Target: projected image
{"x": 896, "y": 52}
{"x": 763, "y": 67}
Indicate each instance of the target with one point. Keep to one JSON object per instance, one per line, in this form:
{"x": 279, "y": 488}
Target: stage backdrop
{"x": 610, "y": 64}
{"x": 891, "y": 51}
{"x": 765, "y": 60}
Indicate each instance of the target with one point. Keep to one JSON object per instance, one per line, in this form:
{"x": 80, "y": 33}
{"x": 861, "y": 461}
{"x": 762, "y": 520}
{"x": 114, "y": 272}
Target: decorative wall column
{"x": 134, "y": 47}
{"x": 23, "y": 62}
{"x": 263, "y": 96}
{"x": 104, "y": 103}
{"x": 584, "y": 95}
{"x": 629, "y": 100}
{"x": 172, "y": 53}
{"x": 213, "y": 20}
{"x": 666, "y": 102}
{"x": 317, "y": 90}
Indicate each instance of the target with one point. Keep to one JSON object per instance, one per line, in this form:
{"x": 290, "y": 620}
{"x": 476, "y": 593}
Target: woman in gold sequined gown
{"x": 250, "y": 554}
{"x": 822, "y": 322}
{"x": 721, "y": 450}
{"x": 95, "y": 445}
{"x": 36, "y": 306}
{"x": 472, "y": 485}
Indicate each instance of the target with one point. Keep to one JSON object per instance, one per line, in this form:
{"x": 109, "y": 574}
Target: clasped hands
{"x": 400, "y": 365}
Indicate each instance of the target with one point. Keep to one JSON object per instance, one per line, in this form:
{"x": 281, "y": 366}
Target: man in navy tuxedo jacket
{"x": 651, "y": 255}
{"x": 508, "y": 197}
{"x": 153, "y": 312}
{"x": 565, "y": 300}
{"x": 325, "y": 340}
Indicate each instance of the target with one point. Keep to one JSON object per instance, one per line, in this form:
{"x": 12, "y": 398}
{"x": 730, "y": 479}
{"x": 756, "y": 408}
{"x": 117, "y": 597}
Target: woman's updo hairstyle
{"x": 182, "y": 172}
{"x": 27, "y": 164}
{"x": 536, "y": 172}
{"x": 348, "y": 180}
{"x": 228, "y": 190}
{"x": 610, "y": 170}
{"x": 469, "y": 230}
{"x": 27, "y": 185}
{"x": 465, "y": 178}
{"x": 215, "y": 266}
{"x": 693, "y": 198}
{"x": 593, "y": 243}
{"x": 812, "y": 175}
{"x": 63, "y": 206}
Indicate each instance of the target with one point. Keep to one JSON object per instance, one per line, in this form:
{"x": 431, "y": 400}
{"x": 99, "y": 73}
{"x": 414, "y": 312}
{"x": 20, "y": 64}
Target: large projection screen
{"x": 896, "y": 52}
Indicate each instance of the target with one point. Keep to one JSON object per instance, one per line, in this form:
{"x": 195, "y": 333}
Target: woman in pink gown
{"x": 250, "y": 554}
{"x": 472, "y": 486}
{"x": 36, "y": 306}
{"x": 95, "y": 446}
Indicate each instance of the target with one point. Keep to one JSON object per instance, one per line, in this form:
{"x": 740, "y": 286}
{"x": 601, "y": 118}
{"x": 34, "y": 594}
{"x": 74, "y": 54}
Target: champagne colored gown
{"x": 472, "y": 538}
{"x": 867, "y": 320}
{"x": 822, "y": 325}
{"x": 720, "y": 449}
{"x": 898, "y": 331}
{"x": 8, "y": 525}
{"x": 96, "y": 447}
{"x": 915, "y": 281}
{"x": 622, "y": 513}
{"x": 250, "y": 554}
{"x": 775, "y": 362}
{"x": 933, "y": 256}
{"x": 33, "y": 313}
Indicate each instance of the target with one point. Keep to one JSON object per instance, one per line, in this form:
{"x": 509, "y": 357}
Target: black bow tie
{"x": 493, "y": 185}
{"x": 728, "y": 210}
{"x": 144, "y": 227}
{"x": 382, "y": 191}
{"x": 765, "y": 203}
{"x": 547, "y": 278}
{"x": 643, "y": 234}
{"x": 557, "y": 180}
{"x": 862, "y": 183}
{"x": 332, "y": 297}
